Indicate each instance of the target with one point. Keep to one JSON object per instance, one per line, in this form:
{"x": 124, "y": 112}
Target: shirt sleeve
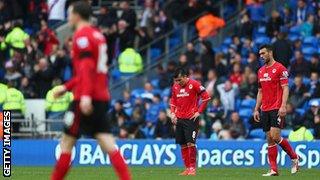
{"x": 283, "y": 76}
{"x": 201, "y": 91}
{"x": 173, "y": 101}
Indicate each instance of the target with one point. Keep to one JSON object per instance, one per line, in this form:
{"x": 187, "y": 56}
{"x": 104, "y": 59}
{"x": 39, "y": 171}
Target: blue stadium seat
{"x": 156, "y": 91}
{"x": 128, "y": 111}
{"x": 285, "y": 133}
{"x": 300, "y": 111}
{"x": 312, "y": 131}
{"x": 291, "y": 82}
{"x": 155, "y": 53}
{"x": 262, "y": 29}
{"x": 227, "y": 41}
{"x": 257, "y": 134}
{"x": 306, "y": 80}
{"x": 248, "y": 103}
{"x": 293, "y": 37}
{"x": 315, "y": 99}
{"x": 295, "y": 30}
{"x": 166, "y": 92}
{"x": 155, "y": 83}
{"x": 310, "y": 41}
{"x": 309, "y": 50}
{"x": 137, "y": 92}
{"x": 237, "y": 104}
{"x": 174, "y": 42}
{"x": 224, "y": 49}
{"x": 245, "y": 112}
{"x": 262, "y": 40}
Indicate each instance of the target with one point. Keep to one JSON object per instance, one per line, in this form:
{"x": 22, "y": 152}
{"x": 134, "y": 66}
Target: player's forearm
{"x": 71, "y": 83}
{"x": 259, "y": 99}
{"x": 203, "y": 106}
{"x": 87, "y": 78}
{"x": 285, "y": 95}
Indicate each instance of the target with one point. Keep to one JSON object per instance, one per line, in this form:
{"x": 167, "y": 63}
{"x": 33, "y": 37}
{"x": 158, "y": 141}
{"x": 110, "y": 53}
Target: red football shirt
{"x": 270, "y": 80}
{"x": 89, "y": 61}
{"x": 185, "y": 100}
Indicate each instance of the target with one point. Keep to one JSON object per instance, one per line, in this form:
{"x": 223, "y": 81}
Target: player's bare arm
{"x": 256, "y": 114}
{"x": 283, "y": 111}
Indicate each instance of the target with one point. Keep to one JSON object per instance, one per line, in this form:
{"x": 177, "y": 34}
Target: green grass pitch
{"x": 161, "y": 173}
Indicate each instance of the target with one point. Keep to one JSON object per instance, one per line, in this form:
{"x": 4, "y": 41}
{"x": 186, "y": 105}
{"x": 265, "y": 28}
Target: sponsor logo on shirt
{"x": 182, "y": 93}
{"x": 265, "y": 77}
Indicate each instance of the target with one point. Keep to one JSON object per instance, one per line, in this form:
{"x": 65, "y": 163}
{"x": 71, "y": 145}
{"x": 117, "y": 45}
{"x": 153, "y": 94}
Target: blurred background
{"x": 217, "y": 41}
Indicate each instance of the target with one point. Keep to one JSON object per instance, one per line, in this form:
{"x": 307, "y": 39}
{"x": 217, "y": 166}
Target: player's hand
{"x": 59, "y": 91}
{"x": 256, "y": 116}
{"x": 282, "y": 111}
{"x": 173, "y": 119}
{"x": 86, "y": 105}
{"x": 195, "y": 116}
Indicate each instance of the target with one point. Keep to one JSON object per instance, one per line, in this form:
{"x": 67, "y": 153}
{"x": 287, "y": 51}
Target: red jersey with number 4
{"x": 185, "y": 100}
{"x": 270, "y": 80}
{"x": 89, "y": 61}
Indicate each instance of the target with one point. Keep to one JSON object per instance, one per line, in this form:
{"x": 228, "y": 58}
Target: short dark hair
{"x": 179, "y": 72}
{"x": 267, "y": 46}
{"x": 83, "y": 9}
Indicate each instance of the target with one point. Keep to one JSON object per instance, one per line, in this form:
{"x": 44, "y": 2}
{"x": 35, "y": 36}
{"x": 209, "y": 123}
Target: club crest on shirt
{"x": 190, "y": 86}
{"x": 82, "y": 42}
{"x": 274, "y": 71}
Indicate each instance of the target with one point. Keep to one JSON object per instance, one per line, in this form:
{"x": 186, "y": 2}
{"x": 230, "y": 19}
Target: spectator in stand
{"x": 42, "y": 77}
{"x": 236, "y": 43}
{"x": 299, "y": 66}
{"x": 27, "y": 89}
{"x": 147, "y": 14}
{"x": 148, "y": 91}
{"x": 107, "y": 17}
{"x": 183, "y": 62}
{"x": 211, "y": 82}
{"x": 291, "y": 117}
{"x": 144, "y": 38}
{"x": 237, "y": 129}
{"x": 274, "y": 24}
{"x": 249, "y": 89}
{"x": 253, "y": 62}
{"x": 302, "y": 12}
{"x": 282, "y": 49}
{"x": 165, "y": 23}
{"x": 206, "y": 57}
{"x": 117, "y": 116}
{"x": 171, "y": 67}
{"x": 315, "y": 63}
{"x": 314, "y": 85}
{"x": 5, "y": 13}
{"x": 298, "y": 92}
{"x": 192, "y": 54}
{"x": 129, "y": 15}
{"x": 236, "y": 75}
{"x": 287, "y": 17}
{"x": 228, "y": 92}
{"x": 126, "y": 99}
{"x": 138, "y": 112}
{"x": 311, "y": 118}
{"x": 220, "y": 66}
{"x": 306, "y": 28}
{"x": 215, "y": 111}
{"x": 256, "y": 11}
{"x": 299, "y": 132}
{"x": 153, "y": 109}
{"x": 245, "y": 28}
{"x": 12, "y": 74}
{"x": 56, "y": 9}
{"x": 247, "y": 47}
{"x": 164, "y": 78}
{"x": 316, "y": 28}
{"x": 164, "y": 127}
{"x": 47, "y": 39}
{"x": 125, "y": 36}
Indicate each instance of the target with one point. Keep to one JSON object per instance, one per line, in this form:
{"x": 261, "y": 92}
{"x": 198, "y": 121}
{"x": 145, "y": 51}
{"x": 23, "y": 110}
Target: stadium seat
{"x": 155, "y": 83}
{"x": 312, "y": 131}
{"x": 224, "y": 49}
{"x": 227, "y": 41}
{"x": 257, "y": 134}
{"x": 293, "y": 37}
{"x": 262, "y": 29}
{"x": 306, "y": 80}
{"x": 262, "y": 40}
{"x": 137, "y": 92}
{"x": 291, "y": 82}
{"x": 128, "y": 111}
{"x": 245, "y": 113}
{"x": 309, "y": 50}
{"x": 174, "y": 42}
{"x": 166, "y": 92}
{"x": 310, "y": 41}
{"x": 285, "y": 133}
{"x": 295, "y": 30}
{"x": 237, "y": 104}
{"x": 300, "y": 111}
{"x": 248, "y": 103}
{"x": 315, "y": 99}
{"x": 155, "y": 53}
{"x": 217, "y": 49}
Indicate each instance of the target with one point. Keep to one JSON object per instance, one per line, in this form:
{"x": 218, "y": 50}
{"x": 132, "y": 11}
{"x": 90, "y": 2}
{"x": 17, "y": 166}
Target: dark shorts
{"x": 76, "y": 123}
{"x": 271, "y": 119}
{"x": 186, "y": 131}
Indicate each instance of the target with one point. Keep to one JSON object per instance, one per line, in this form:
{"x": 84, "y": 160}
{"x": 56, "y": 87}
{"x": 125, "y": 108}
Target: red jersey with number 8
{"x": 89, "y": 61}
{"x": 270, "y": 80}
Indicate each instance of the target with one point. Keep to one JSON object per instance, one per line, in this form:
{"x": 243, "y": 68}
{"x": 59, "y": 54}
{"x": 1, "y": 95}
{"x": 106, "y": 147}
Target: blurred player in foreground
{"x": 271, "y": 99}
{"x": 185, "y": 112}
{"x": 89, "y": 85}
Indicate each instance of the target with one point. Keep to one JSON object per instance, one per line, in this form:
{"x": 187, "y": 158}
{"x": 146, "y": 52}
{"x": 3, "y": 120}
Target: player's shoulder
{"x": 261, "y": 69}
{"x": 280, "y": 66}
{"x": 194, "y": 82}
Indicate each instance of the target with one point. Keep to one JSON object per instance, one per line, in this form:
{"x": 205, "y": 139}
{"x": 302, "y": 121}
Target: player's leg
{"x": 107, "y": 144}
{"x": 272, "y": 146}
{"x": 179, "y": 135}
{"x": 190, "y": 132}
{"x": 63, "y": 164}
{"x": 277, "y": 124}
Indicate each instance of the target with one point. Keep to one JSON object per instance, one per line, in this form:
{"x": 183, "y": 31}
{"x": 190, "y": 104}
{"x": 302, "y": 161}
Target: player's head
{"x": 266, "y": 52}
{"x": 180, "y": 76}
{"x": 78, "y": 12}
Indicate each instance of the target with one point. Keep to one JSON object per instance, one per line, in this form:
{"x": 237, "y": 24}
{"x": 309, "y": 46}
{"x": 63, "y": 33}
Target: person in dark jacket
{"x": 207, "y": 57}
{"x": 42, "y": 77}
{"x": 164, "y": 128}
{"x": 129, "y": 15}
{"x": 274, "y": 24}
{"x": 291, "y": 117}
{"x": 282, "y": 49}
